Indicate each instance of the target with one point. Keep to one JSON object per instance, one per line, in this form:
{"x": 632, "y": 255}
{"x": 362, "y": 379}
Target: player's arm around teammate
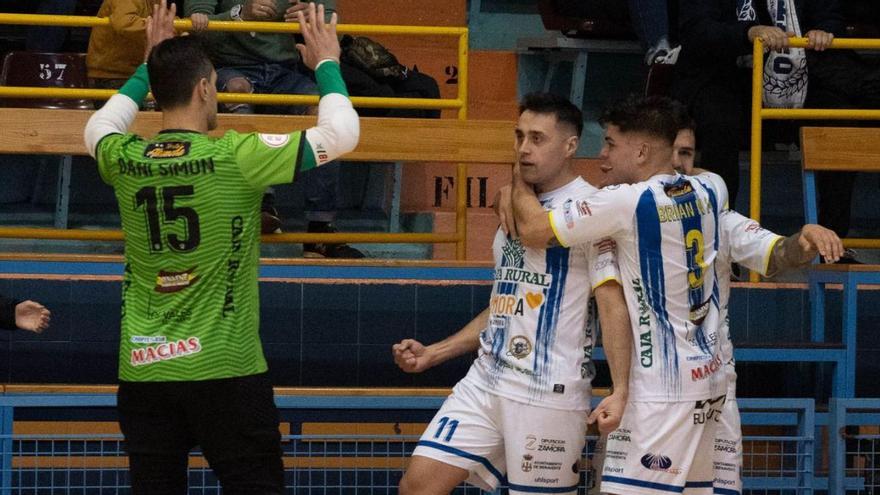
{"x": 609, "y": 215}
{"x": 529, "y": 218}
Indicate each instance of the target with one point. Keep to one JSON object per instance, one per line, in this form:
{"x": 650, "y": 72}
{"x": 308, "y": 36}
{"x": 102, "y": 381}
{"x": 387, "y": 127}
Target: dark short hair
{"x": 175, "y": 66}
{"x": 652, "y": 115}
{"x": 560, "y": 107}
{"x": 683, "y": 116}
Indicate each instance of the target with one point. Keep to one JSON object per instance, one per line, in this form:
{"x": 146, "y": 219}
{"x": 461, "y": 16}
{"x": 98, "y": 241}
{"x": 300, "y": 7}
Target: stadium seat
{"x": 608, "y": 19}
{"x": 49, "y": 70}
{"x": 45, "y": 70}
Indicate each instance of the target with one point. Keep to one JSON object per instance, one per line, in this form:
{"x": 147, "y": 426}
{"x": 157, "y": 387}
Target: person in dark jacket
{"x": 713, "y": 75}
{"x": 26, "y": 315}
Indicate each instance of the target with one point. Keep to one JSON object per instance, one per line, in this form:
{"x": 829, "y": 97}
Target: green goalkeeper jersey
{"x": 190, "y": 208}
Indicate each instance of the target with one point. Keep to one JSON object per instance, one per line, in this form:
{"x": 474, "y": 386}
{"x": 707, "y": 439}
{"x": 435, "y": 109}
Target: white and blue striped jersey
{"x": 743, "y": 241}
{"x": 537, "y": 348}
{"x": 666, "y": 230}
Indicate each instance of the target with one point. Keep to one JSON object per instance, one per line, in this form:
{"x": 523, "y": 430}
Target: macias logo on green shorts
{"x": 165, "y": 351}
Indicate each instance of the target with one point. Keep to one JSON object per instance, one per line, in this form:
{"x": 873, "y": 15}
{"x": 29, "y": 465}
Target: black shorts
{"x": 233, "y": 420}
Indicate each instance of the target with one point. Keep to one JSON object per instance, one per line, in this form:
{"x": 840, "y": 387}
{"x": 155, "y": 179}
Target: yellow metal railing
{"x": 458, "y": 237}
{"x": 759, "y": 114}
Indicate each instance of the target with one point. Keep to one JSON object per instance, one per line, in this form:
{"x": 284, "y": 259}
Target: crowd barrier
{"x": 759, "y": 114}
{"x": 460, "y": 141}
{"x": 335, "y": 441}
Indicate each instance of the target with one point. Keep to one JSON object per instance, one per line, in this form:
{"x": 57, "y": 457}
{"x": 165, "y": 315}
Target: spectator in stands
{"x": 115, "y": 51}
{"x": 712, "y": 78}
{"x": 192, "y": 370}
{"x": 267, "y": 63}
{"x": 650, "y": 21}
{"x": 49, "y": 39}
{"x": 26, "y": 315}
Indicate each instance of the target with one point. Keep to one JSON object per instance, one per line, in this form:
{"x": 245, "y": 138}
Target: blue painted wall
{"x": 320, "y": 334}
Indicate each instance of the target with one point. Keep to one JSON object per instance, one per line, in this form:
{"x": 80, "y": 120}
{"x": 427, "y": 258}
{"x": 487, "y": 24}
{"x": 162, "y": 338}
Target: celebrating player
{"x": 744, "y": 241}
{"x": 191, "y": 366}
{"x": 666, "y": 229}
{"x": 519, "y": 416}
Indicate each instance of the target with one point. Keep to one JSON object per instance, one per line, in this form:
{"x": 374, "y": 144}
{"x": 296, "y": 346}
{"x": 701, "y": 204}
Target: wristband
{"x": 329, "y": 77}
{"x": 137, "y": 86}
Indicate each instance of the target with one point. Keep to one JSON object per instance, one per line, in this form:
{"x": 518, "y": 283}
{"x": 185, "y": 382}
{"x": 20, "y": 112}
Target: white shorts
{"x": 659, "y": 449}
{"x": 728, "y": 450}
{"x": 499, "y": 441}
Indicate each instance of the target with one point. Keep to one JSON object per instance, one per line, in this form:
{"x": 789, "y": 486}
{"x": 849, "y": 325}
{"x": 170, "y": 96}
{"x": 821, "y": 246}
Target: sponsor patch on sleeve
{"x": 274, "y": 140}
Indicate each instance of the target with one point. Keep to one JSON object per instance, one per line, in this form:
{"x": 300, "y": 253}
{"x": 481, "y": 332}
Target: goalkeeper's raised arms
{"x": 119, "y": 113}
{"x": 338, "y": 128}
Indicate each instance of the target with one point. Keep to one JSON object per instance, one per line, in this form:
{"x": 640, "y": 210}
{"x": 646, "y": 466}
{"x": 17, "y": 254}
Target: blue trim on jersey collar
{"x": 467, "y": 455}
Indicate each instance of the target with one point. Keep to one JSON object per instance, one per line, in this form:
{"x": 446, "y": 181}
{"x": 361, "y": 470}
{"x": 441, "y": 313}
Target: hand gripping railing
{"x": 458, "y": 237}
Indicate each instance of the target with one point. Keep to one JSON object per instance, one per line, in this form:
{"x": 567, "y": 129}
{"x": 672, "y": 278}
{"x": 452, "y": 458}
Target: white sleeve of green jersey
{"x": 119, "y": 112}
{"x": 267, "y": 159}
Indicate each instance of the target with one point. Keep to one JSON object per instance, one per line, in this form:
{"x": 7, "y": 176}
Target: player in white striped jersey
{"x": 745, "y": 242}
{"x": 519, "y": 416}
{"x": 666, "y": 229}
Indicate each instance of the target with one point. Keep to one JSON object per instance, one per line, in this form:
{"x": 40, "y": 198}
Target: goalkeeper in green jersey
{"x": 191, "y": 366}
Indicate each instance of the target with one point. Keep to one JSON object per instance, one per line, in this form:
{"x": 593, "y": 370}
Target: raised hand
{"x": 320, "y": 37}
{"x": 32, "y": 316}
{"x": 817, "y": 239}
{"x": 410, "y": 356}
{"x": 160, "y": 25}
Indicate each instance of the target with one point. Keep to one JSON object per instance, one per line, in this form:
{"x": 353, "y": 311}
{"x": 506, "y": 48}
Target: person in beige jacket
{"x": 115, "y": 51}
